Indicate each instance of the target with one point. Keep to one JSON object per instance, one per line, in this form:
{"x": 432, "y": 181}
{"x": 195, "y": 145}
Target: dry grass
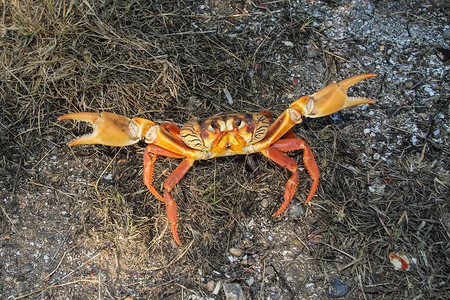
{"x": 171, "y": 61}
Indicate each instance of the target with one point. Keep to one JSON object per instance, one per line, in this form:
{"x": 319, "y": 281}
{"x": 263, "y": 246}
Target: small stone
{"x": 265, "y": 203}
{"x": 235, "y": 251}
{"x": 21, "y": 288}
{"x": 217, "y": 287}
{"x": 193, "y": 103}
{"x": 337, "y": 289}
{"x": 251, "y": 261}
{"x": 270, "y": 270}
{"x": 310, "y": 288}
{"x": 296, "y": 211}
{"x": 109, "y": 176}
{"x": 27, "y": 268}
{"x": 233, "y": 291}
{"x": 446, "y": 34}
{"x": 381, "y": 137}
{"x": 210, "y": 286}
{"x": 443, "y": 53}
{"x": 337, "y": 118}
{"x": 250, "y": 281}
{"x": 393, "y": 111}
{"x": 288, "y": 43}
{"x": 409, "y": 84}
{"x": 312, "y": 53}
{"x": 245, "y": 243}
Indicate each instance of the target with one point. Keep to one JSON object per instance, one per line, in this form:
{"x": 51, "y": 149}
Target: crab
{"x": 221, "y": 135}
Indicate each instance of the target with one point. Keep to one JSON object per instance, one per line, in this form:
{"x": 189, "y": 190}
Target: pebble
{"x": 228, "y": 95}
{"x": 393, "y": 111}
{"x": 108, "y": 176}
{"x": 409, "y": 84}
{"x": 250, "y": 280}
{"x": 337, "y": 289}
{"x": 264, "y": 203}
{"x": 446, "y": 34}
{"x": 337, "y": 118}
{"x": 270, "y": 270}
{"x": 310, "y": 288}
{"x": 217, "y": 287}
{"x": 246, "y": 243}
{"x": 296, "y": 211}
{"x": 233, "y": 291}
{"x": 381, "y": 137}
{"x": 210, "y": 286}
{"x": 27, "y": 268}
{"x": 21, "y": 288}
{"x": 235, "y": 251}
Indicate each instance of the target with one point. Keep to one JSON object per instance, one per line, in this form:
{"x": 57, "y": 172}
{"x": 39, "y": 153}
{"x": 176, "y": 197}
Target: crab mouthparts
{"x": 228, "y": 141}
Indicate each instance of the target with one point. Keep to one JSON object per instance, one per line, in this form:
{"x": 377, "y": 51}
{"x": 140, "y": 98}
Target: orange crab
{"x": 242, "y": 133}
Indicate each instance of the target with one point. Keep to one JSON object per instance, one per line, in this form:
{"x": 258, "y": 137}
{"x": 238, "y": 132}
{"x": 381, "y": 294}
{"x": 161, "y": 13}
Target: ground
{"x": 78, "y": 223}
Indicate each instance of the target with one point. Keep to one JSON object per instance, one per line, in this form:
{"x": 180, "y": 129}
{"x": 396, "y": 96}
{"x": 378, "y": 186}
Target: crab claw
{"x": 110, "y": 129}
{"x": 331, "y": 99}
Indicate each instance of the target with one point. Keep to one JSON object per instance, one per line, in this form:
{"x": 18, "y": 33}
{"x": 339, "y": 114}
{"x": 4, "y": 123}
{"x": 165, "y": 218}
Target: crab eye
{"x": 238, "y": 124}
{"x": 213, "y": 126}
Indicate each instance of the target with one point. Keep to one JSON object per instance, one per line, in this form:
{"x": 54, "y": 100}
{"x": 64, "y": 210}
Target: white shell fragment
{"x": 228, "y": 95}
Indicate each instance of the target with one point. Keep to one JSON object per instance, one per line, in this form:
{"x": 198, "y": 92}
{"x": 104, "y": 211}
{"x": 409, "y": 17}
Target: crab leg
{"x": 172, "y": 128}
{"x": 275, "y": 153}
{"x": 308, "y": 160}
{"x": 288, "y": 163}
{"x": 149, "y": 163}
{"x": 169, "y": 184}
{"x": 171, "y": 205}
